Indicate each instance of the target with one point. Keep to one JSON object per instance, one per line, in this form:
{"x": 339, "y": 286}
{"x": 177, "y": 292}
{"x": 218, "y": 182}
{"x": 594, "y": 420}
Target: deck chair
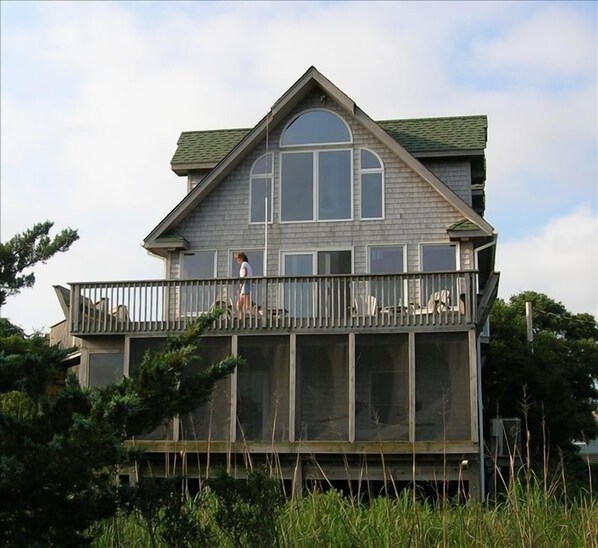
{"x": 439, "y": 301}
{"x": 365, "y": 306}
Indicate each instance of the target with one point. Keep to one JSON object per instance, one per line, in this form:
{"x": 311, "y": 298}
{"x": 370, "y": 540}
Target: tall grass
{"x": 525, "y": 517}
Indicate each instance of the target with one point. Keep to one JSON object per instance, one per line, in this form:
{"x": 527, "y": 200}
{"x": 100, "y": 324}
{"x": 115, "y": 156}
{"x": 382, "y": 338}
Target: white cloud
{"x": 95, "y": 95}
{"x": 560, "y": 260}
{"x": 552, "y": 44}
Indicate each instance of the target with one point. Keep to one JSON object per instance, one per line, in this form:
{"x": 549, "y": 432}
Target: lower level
{"x": 368, "y": 406}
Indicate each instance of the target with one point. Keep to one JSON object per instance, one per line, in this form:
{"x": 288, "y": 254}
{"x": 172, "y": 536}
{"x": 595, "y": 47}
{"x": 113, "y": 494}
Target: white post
{"x": 529, "y": 322}
{"x": 266, "y": 236}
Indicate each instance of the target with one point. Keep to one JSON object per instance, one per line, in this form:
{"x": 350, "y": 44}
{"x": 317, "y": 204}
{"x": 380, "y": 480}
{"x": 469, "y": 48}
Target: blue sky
{"x": 95, "y": 94}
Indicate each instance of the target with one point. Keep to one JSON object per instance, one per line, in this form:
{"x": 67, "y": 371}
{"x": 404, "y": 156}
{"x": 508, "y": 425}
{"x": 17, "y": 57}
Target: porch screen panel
{"x": 442, "y": 389}
{"x": 137, "y": 348}
{"x": 381, "y": 387}
{"x": 322, "y": 390}
{"x": 212, "y": 419}
{"x": 105, "y": 368}
{"x": 263, "y": 389}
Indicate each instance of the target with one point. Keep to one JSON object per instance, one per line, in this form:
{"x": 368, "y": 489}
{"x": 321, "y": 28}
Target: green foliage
{"x": 25, "y": 250}
{"x": 247, "y": 510}
{"x": 169, "y": 516}
{"x": 552, "y": 384}
{"x": 61, "y": 445}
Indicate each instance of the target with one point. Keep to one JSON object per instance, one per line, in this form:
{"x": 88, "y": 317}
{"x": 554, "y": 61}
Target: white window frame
{"x": 315, "y": 218}
{"x": 315, "y": 148}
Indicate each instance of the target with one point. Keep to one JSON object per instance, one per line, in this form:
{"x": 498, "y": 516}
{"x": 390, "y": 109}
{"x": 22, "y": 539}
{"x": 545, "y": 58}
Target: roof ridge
{"x": 216, "y": 130}
{"x": 432, "y": 118}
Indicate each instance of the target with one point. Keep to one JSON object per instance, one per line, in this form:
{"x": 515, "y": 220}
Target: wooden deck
{"x": 280, "y": 304}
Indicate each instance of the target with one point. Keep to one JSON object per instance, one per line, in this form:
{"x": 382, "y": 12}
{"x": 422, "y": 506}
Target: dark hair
{"x": 242, "y": 256}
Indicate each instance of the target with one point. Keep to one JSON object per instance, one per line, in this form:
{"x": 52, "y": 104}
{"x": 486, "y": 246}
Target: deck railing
{"x": 370, "y": 301}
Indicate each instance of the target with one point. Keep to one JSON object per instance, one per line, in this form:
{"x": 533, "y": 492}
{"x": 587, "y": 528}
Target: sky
{"x": 94, "y": 95}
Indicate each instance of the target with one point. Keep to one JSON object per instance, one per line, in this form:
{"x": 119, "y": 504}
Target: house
{"x": 373, "y": 277}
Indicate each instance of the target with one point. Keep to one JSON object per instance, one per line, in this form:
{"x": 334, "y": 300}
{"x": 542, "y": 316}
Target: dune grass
{"x": 526, "y": 516}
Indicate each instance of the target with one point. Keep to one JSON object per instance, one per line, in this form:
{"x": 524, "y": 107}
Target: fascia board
{"x": 424, "y": 172}
{"x": 448, "y": 153}
{"x": 184, "y": 169}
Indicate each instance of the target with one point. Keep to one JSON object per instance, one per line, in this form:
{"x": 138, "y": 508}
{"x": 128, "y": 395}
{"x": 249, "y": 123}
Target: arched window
{"x": 260, "y": 188}
{"x": 371, "y": 173}
{"x": 315, "y": 127}
{"x": 316, "y": 168}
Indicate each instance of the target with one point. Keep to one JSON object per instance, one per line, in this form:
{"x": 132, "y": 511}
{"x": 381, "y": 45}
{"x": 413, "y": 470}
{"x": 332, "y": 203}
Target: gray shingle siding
{"x": 414, "y": 211}
{"x": 456, "y": 174}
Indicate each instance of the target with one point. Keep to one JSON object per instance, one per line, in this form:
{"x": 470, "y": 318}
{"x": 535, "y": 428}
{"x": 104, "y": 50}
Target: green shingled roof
{"x": 463, "y": 133}
{"x": 464, "y": 225}
{"x": 206, "y": 147}
{"x": 438, "y": 134}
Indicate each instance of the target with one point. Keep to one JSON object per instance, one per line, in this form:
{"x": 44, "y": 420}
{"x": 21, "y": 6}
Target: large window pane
{"x": 442, "y": 287}
{"x": 322, "y": 411}
{"x": 263, "y": 389}
{"x": 389, "y": 290}
{"x": 199, "y": 298}
{"x": 256, "y": 260}
{"x": 371, "y": 196}
{"x": 381, "y": 387}
{"x": 442, "y": 388}
{"x": 212, "y": 419}
{"x": 297, "y": 187}
{"x": 299, "y": 295}
{"x": 439, "y": 257}
{"x": 260, "y": 189}
{"x": 386, "y": 259}
{"x": 314, "y": 127}
{"x": 334, "y": 184}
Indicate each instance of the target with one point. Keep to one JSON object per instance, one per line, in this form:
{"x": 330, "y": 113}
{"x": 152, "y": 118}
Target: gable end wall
{"x": 414, "y": 211}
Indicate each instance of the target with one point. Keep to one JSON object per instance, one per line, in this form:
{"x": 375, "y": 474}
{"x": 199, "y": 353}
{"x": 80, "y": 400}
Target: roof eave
{"x": 184, "y": 169}
{"x": 445, "y": 153}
